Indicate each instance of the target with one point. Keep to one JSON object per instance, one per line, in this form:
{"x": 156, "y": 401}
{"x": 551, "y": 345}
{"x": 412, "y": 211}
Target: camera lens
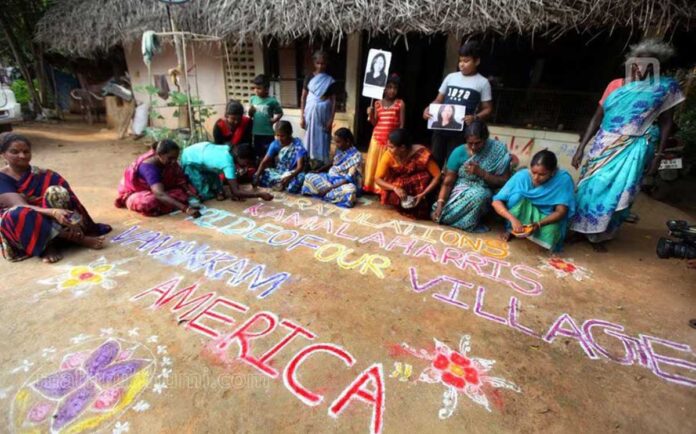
{"x": 665, "y": 248}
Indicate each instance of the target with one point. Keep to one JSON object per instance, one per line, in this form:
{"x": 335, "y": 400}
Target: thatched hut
{"x": 550, "y": 57}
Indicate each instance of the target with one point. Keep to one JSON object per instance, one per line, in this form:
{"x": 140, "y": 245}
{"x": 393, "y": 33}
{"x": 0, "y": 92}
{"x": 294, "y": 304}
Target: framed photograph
{"x": 446, "y": 117}
{"x": 376, "y": 73}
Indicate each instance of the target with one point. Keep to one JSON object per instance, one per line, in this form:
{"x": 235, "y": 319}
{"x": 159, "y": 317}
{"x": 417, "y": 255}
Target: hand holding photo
{"x": 376, "y": 72}
{"x": 446, "y": 117}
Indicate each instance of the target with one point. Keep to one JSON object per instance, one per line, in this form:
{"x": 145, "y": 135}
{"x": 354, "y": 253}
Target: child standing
{"x": 318, "y": 107}
{"x": 387, "y": 115}
{"x": 468, "y": 88}
{"x": 266, "y": 111}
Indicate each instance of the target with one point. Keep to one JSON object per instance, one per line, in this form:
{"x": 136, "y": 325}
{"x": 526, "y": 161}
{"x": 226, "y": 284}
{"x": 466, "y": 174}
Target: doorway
{"x": 420, "y": 68}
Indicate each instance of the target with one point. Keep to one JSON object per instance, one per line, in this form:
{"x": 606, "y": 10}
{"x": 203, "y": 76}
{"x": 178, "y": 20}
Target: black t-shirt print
{"x": 470, "y": 98}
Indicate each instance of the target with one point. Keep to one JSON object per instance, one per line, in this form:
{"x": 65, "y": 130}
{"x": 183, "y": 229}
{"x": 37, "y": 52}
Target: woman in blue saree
{"x": 473, "y": 171}
{"x": 38, "y": 207}
{"x": 318, "y": 107}
{"x": 540, "y": 198}
{"x": 633, "y": 118}
{"x": 283, "y": 166}
{"x": 344, "y": 179}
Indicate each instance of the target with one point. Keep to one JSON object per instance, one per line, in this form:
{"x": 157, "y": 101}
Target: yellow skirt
{"x": 374, "y": 154}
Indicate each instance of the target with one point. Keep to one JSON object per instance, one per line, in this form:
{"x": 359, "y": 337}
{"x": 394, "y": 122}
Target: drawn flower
{"x": 121, "y": 427}
{"x": 562, "y": 265}
{"x": 78, "y": 279}
{"x": 24, "y": 366}
{"x": 563, "y": 268}
{"x": 460, "y": 374}
{"x": 86, "y": 379}
{"x": 4, "y": 392}
{"x": 455, "y": 370}
{"x": 141, "y": 406}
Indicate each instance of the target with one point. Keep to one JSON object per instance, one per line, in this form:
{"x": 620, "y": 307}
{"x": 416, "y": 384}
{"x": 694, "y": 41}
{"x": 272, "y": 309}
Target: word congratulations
{"x": 216, "y": 264}
{"x": 367, "y": 387}
{"x": 642, "y": 350}
{"x": 420, "y": 232}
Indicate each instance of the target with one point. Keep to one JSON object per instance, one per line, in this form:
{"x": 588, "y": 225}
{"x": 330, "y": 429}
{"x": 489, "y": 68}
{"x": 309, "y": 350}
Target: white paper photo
{"x": 376, "y": 73}
{"x": 446, "y": 117}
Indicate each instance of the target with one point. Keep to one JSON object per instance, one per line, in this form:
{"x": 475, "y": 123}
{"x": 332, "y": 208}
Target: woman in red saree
{"x": 406, "y": 174}
{"x": 234, "y": 130}
{"x": 37, "y": 207}
{"x": 155, "y": 184}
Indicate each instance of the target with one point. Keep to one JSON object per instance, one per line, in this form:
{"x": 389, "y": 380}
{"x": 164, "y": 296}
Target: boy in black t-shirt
{"x": 468, "y": 88}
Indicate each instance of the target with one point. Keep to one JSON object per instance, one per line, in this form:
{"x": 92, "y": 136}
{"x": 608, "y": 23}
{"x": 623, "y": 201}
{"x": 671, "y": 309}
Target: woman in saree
{"x": 406, "y": 174}
{"x": 211, "y": 169}
{"x": 235, "y": 128}
{"x": 38, "y": 208}
{"x": 155, "y": 184}
{"x": 633, "y": 118}
{"x": 344, "y": 179}
{"x": 289, "y": 155}
{"x": 318, "y": 108}
{"x": 538, "y": 202}
{"x": 473, "y": 171}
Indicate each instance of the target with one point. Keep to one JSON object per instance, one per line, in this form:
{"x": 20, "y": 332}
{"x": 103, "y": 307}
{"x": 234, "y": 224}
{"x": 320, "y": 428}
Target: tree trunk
{"x": 21, "y": 63}
{"x": 45, "y": 88}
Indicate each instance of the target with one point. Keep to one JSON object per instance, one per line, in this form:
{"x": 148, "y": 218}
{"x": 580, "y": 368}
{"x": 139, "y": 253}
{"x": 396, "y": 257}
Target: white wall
{"x": 208, "y": 69}
{"x": 525, "y": 143}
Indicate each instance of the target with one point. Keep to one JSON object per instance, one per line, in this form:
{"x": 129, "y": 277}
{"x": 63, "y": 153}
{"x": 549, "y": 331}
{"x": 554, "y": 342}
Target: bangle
{"x": 441, "y": 201}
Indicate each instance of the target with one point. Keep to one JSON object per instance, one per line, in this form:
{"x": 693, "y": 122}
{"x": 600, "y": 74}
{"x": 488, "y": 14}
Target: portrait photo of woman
{"x": 376, "y": 75}
{"x": 446, "y": 119}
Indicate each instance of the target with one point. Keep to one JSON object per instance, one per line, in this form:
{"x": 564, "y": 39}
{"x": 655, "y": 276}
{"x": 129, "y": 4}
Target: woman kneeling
{"x": 473, "y": 170}
{"x": 538, "y": 202}
{"x": 344, "y": 179}
{"x": 37, "y": 207}
{"x": 155, "y": 184}
{"x": 406, "y": 174}
{"x": 205, "y": 162}
{"x": 289, "y": 156}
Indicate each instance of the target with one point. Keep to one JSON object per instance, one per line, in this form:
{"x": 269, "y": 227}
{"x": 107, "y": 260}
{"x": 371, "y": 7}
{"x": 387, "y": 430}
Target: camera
{"x": 685, "y": 245}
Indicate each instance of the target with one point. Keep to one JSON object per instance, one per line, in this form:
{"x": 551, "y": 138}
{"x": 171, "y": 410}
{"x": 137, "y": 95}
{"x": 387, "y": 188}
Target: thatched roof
{"x": 84, "y": 27}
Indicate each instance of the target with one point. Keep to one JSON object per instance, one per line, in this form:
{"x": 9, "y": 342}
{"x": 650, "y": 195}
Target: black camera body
{"x": 684, "y": 247}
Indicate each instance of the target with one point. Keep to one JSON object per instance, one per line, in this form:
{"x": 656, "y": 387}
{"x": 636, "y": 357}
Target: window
{"x": 239, "y": 71}
{"x": 288, "y": 65}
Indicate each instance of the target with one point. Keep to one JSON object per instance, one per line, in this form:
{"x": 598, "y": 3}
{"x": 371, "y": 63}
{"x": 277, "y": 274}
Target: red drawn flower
{"x": 562, "y": 265}
{"x": 455, "y": 370}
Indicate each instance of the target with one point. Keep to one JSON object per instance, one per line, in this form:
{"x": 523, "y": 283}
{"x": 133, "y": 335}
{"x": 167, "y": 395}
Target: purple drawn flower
{"x": 77, "y": 388}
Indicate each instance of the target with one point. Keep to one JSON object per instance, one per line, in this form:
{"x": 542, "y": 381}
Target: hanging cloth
{"x": 150, "y": 46}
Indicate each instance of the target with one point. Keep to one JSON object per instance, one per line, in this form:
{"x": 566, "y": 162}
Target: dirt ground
{"x": 363, "y": 326}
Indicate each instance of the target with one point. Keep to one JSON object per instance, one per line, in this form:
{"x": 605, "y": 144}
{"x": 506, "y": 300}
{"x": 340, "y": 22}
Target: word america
{"x": 367, "y": 387}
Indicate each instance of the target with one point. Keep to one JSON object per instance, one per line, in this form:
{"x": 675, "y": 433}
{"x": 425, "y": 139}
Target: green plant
{"x": 200, "y": 113}
{"x": 21, "y": 91}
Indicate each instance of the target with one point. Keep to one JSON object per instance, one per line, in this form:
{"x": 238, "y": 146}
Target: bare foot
{"x": 220, "y": 196}
{"x": 94, "y": 243}
{"x": 574, "y": 237}
{"x": 599, "y": 247}
{"x": 51, "y": 255}
{"x": 506, "y": 236}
